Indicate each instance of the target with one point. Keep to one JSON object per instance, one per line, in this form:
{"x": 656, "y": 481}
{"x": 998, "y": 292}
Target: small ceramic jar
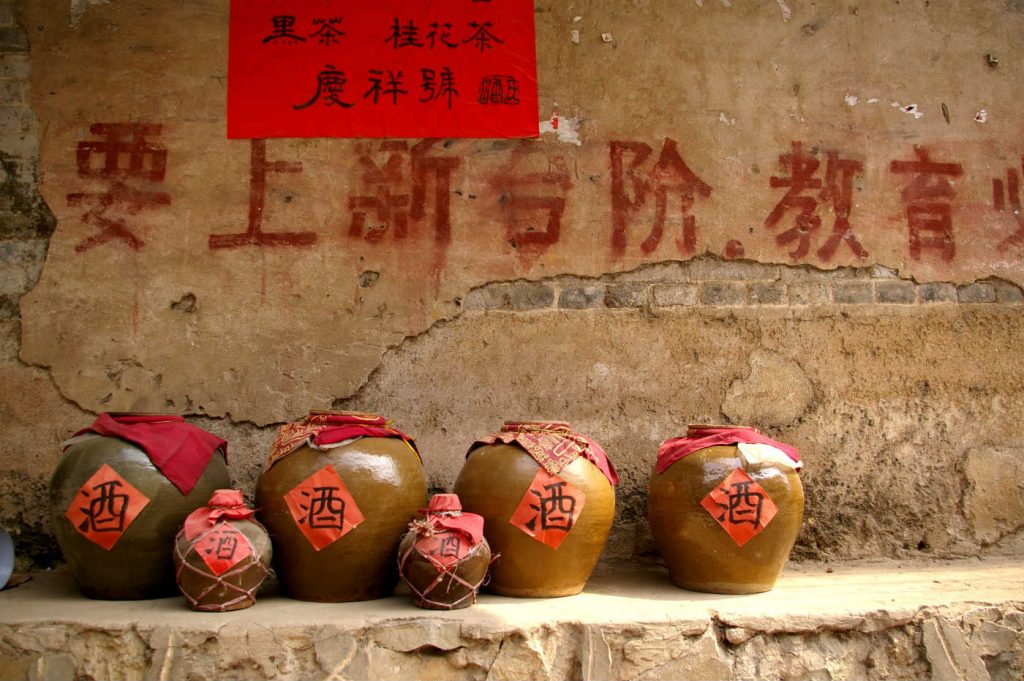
{"x": 221, "y": 555}
{"x": 547, "y": 497}
{"x": 337, "y": 496}
{"x": 725, "y": 505}
{"x": 119, "y": 495}
{"x": 444, "y": 557}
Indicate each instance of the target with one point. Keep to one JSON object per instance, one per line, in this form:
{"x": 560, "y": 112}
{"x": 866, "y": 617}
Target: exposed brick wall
{"x": 712, "y": 282}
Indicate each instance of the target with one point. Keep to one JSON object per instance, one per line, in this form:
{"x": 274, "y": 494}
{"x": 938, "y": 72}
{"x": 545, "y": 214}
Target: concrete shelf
{"x": 958, "y": 619}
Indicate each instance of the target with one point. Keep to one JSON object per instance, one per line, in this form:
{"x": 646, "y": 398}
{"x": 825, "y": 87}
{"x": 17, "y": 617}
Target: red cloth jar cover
{"x": 553, "y": 445}
{"x": 319, "y": 430}
{"x": 445, "y": 513}
{"x": 178, "y": 449}
{"x": 225, "y": 504}
{"x": 702, "y": 437}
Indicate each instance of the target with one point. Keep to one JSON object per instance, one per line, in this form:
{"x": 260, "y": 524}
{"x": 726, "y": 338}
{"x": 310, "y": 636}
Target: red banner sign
{"x": 389, "y": 68}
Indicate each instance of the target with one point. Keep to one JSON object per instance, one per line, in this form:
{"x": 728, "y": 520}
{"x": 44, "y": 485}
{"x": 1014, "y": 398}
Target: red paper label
{"x": 105, "y": 507}
{"x": 223, "y": 547}
{"x": 444, "y": 548}
{"x": 549, "y": 509}
{"x": 741, "y": 506}
{"x": 323, "y": 508}
{"x": 389, "y": 68}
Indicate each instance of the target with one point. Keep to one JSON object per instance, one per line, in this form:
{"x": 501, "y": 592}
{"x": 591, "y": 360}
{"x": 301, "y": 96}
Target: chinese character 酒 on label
{"x": 549, "y": 509}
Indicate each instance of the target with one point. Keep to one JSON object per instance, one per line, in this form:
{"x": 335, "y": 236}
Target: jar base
{"x": 534, "y": 592}
{"x": 219, "y": 608}
{"x": 430, "y": 606}
{"x": 726, "y": 588}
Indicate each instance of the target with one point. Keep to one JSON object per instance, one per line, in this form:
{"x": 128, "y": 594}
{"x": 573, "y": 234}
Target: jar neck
{"x": 700, "y": 430}
{"x": 536, "y": 426}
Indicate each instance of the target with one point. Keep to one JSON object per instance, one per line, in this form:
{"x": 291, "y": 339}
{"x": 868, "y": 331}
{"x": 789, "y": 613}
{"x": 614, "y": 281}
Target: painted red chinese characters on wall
{"x": 388, "y": 194}
{"x": 131, "y": 164}
{"x": 402, "y": 190}
{"x": 805, "y": 190}
{"x": 390, "y": 68}
{"x": 395, "y": 185}
{"x": 928, "y": 199}
{"x": 532, "y": 190}
{"x": 1010, "y": 193}
{"x": 633, "y": 182}
{"x": 259, "y": 169}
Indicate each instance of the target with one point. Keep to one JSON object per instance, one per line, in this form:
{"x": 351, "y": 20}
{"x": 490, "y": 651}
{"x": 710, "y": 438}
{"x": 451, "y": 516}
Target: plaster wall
{"x": 802, "y": 216}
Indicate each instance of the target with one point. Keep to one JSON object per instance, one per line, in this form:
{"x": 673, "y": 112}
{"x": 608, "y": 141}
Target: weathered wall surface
{"x": 803, "y": 216}
{"x": 902, "y": 451}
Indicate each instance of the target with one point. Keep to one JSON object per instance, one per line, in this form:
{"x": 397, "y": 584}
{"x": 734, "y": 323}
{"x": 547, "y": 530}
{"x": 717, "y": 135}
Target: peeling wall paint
{"x": 787, "y": 13}
{"x": 566, "y": 130}
{"x": 79, "y": 8}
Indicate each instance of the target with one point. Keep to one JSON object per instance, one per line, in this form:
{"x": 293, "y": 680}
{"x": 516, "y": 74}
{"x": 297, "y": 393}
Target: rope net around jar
{"x": 244, "y": 595}
{"x": 424, "y": 528}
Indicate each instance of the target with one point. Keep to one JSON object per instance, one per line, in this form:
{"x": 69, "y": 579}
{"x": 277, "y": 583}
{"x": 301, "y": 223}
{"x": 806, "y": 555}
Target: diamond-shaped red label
{"x": 323, "y": 508}
{"x": 222, "y": 547}
{"x": 444, "y": 549}
{"x": 549, "y": 509}
{"x": 741, "y": 506}
{"x": 105, "y": 506}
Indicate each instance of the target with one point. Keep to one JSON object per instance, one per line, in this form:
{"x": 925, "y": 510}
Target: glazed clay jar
{"x": 221, "y": 555}
{"x": 337, "y": 495}
{"x": 120, "y": 494}
{"x": 547, "y": 498}
{"x": 725, "y": 505}
{"x": 444, "y": 557}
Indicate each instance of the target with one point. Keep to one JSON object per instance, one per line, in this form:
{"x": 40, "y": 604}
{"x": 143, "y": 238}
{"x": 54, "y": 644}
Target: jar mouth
{"x": 360, "y": 415}
{"x": 149, "y": 414}
{"x": 444, "y": 504}
{"x": 226, "y": 498}
{"x": 536, "y": 424}
{"x": 698, "y": 429}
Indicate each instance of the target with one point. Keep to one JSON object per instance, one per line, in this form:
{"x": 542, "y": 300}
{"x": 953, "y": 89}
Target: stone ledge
{"x": 954, "y": 620}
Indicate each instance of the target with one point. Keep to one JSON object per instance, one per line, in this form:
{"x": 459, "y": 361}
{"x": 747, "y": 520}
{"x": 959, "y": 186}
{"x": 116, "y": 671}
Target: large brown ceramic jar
{"x": 725, "y": 506}
{"x": 548, "y": 500}
{"x": 444, "y": 557}
{"x": 119, "y": 495}
{"x": 221, "y": 555}
{"x": 337, "y": 496}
